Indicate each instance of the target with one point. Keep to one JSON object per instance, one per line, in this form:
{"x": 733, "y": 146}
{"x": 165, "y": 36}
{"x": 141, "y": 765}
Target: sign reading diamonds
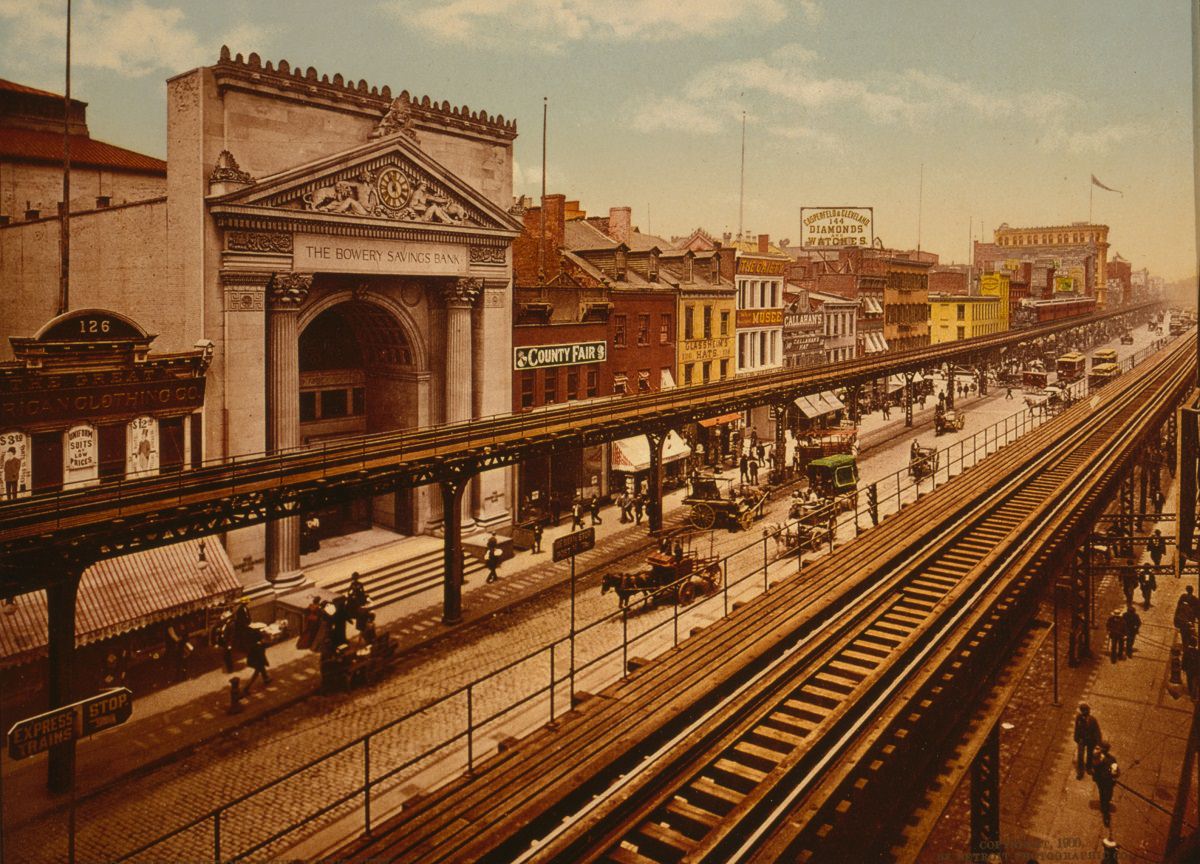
{"x": 540, "y": 356}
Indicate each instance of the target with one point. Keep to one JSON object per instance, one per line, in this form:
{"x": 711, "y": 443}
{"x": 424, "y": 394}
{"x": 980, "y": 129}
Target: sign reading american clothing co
{"x": 324, "y": 254}
{"x": 72, "y": 396}
{"x": 539, "y": 356}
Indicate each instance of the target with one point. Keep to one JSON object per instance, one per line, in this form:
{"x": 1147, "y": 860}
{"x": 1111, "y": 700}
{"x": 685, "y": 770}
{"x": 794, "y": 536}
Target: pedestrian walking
{"x": 576, "y": 514}
{"x": 1133, "y": 623}
{"x": 311, "y": 628}
{"x": 1008, "y": 392}
{"x": 639, "y": 506}
{"x": 555, "y": 509}
{"x": 1147, "y": 583}
{"x": 1156, "y": 546}
{"x": 753, "y": 469}
{"x": 1105, "y": 772}
{"x": 1129, "y": 581}
{"x": 759, "y": 453}
{"x": 1087, "y": 739}
{"x": 491, "y": 558}
{"x": 744, "y": 467}
{"x": 1116, "y": 635}
{"x": 622, "y": 508}
{"x": 1185, "y": 617}
{"x": 256, "y": 659}
{"x": 753, "y": 438}
{"x": 887, "y": 411}
{"x": 594, "y": 509}
{"x": 1191, "y": 669}
{"x": 357, "y": 600}
{"x": 537, "y": 538}
{"x": 1159, "y": 500}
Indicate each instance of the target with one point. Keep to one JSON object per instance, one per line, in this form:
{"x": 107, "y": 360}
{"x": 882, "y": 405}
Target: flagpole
{"x": 1091, "y": 193}
{"x": 64, "y": 216}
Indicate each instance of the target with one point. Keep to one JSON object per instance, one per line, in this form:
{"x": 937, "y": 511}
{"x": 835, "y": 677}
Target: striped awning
{"x": 633, "y": 454}
{"x": 126, "y": 593}
{"x": 874, "y": 343}
{"x": 871, "y": 306}
{"x": 816, "y": 405}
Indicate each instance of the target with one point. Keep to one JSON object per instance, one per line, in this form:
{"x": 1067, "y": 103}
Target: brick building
{"x": 1079, "y": 251}
{"x": 953, "y": 317}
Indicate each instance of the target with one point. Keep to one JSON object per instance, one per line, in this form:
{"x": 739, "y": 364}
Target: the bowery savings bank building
{"x": 346, "y": 251}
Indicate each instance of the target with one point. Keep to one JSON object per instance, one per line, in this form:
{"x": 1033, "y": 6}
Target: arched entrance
{"x": 358, "y": 375}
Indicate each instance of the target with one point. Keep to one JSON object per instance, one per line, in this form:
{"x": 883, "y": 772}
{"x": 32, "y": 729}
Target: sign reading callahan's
{"x": 835, "y": 227}
{"x": 540, "y": 356}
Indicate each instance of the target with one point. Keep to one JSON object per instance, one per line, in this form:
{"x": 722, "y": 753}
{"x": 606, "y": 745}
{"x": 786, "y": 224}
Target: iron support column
{"x": 452, "y": 553}
{"x": 855, "y": 391}
{"x": 983, "y": 383}
{"x": 949, "y": 386}
{"x": 60, "y": 607}
{"x": 654, "y": 500}
{"x": 985, "y": 797}
{"x": 908, "y": 399}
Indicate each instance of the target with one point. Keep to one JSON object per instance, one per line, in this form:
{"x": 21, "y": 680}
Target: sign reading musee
{"x": 835, "y": 227}
{"x": 540, "y": 356}
{"x": 321, "y": 253}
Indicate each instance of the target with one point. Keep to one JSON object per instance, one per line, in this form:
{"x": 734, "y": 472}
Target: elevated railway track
{"x": 787, "y": 731}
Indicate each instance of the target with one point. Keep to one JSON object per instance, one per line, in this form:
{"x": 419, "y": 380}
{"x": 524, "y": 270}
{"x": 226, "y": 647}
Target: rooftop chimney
{"x": 618, "y": 223}
{"x": 764, "y": 241}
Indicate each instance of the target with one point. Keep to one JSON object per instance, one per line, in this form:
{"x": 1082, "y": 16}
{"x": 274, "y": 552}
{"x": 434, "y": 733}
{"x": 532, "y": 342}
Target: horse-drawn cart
{"x": 714, "y": 500}
{"x": 671, "y": 577}
{"x": 948, "y": 421}
{"x": 922, "y": 462}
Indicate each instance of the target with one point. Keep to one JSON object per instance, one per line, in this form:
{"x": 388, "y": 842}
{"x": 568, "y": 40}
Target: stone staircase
{"x": 396, "y": 581}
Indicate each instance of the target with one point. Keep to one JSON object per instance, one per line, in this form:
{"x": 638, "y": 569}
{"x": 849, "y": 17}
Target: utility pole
{"x": 920, "y": 203}
{"x": 542, "y": 205}
{"x": 742, "y": 184}
{"x": 64, "y": 216}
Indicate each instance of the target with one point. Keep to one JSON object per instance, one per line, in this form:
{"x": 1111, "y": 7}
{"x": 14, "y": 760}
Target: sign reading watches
{"x": 323, "y": 254}
{"x": 540, "y": 356}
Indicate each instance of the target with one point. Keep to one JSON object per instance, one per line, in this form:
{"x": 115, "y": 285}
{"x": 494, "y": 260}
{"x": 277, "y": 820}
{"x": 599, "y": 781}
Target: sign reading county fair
{"x": 324, "y": 254}
{"x": 541, "y": 356}
{"x": 836, "y": 227}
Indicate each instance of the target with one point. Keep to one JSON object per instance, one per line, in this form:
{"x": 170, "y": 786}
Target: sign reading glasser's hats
{"x": 836, "y": 227}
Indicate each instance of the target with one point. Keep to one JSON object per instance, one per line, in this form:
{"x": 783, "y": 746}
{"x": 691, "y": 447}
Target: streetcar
{"x": 1101, "y": 374}
{"x": 1034, "y": 379}
{"x": 1071, "y": 366}
{"x": 835, "y": 478}
{"x": 1104, "y": 355}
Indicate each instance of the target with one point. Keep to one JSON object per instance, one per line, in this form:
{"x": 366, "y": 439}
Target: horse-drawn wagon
{"x": 714, "y": 500}
{"x": 922, "y": 462}
{"x": 673, "y": 576}
{"x": 948, "y": 421}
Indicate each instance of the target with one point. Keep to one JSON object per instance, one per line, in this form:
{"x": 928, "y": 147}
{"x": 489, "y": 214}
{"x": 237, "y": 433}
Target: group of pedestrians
{"x": 631, "y": 506}
{"x": 1093, "y": 755}
{"x": 237, "y": 633}
{"x": 578, "y": 506}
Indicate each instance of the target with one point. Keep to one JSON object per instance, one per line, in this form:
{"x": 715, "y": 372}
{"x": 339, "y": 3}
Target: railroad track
{"x": 759, "y": 735}
{"x": 419, "y": 455}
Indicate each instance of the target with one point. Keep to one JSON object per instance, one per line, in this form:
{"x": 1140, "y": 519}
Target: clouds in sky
{"x": 552, "y": 24}
{"x": 130, "y": 38}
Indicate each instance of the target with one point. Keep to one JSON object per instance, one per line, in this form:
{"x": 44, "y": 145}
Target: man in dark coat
{"x": 555, "y": 509}
{"x": 1147, "y": 583}
{"x": 1156, "y": 546}
{"x": 357, "y": 600}
{"x": 639, "y": 505}
{"x": 1105, "y": 772}
{"x": 744, "y": 467}
{"x": 492, "y": 558}
{"x": 1185, "y": 617}
{"x": 537, "y": 538}
{"x": 1129, "y": 581}
{"x": 1116, "y": 635}
{"x": 1133, "y": 623}
{"x": 256, "y": 659}
{"x": 1087, "y": 738}
{"x": 594, "y": 509}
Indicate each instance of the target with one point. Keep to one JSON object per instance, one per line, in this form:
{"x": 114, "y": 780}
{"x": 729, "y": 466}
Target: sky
{"x": 947, "y": 117}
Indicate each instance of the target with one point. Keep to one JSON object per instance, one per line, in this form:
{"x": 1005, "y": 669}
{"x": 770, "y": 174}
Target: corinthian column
{"x": 460, "y": 296}
{"x": 285, "y": 295}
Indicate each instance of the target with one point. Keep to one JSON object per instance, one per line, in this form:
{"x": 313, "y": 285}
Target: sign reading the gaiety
{"x": 836, "y": 227}
{"x": 541, "y": 356}
{"x": 322, "y": 253}
{"x": 761, "y": 266}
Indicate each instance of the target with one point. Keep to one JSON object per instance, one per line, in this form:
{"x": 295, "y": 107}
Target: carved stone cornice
{"x": 227, "y": 170}
{"x": 397, "y": 121}
{"x": 288, "y": 291}
{"x": 462, "y": 293}
{"x": 259, "y": 241}
{"x": 487, "y": 254}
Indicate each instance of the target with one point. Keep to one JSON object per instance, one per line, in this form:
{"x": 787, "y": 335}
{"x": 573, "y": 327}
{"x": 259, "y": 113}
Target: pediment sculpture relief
{"x": 388, "y": 193}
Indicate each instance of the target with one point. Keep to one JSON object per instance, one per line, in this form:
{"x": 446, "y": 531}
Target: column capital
{"x": 288, "y": 291}
{"x": 463, "y": 292}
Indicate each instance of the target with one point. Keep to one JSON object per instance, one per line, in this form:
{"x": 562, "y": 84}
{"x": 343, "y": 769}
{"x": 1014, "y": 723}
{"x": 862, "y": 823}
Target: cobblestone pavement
{"x": 151, "y": 803}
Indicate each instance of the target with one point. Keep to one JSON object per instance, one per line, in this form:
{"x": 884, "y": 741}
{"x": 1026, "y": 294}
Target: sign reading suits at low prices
{"x": 541, "y": 356}
{"x": 14, "y": 457}
{"x": 80, "y": 456}
{"x": 141, "y": 437}
{"x": 836, "y": 227}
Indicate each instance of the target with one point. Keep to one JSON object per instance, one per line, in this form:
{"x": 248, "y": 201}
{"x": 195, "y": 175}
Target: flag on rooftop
{"x": 1096, "y": 182}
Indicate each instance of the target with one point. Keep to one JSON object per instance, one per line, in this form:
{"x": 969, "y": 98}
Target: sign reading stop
{"x": 63, "y": 725}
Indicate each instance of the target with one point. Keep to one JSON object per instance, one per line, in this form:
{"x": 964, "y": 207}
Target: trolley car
{"x": 1104, "y": 355}
{"x": 1102, "y": 374}
{"x": 1071, "y": 366}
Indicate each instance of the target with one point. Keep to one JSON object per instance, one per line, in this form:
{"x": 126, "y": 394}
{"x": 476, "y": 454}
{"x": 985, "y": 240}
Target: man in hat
{"x": 537, "y": 539}
{"x": 1115, "y": 628}
{"x": 1105, "y": 772}
{"x": 1147, "y": 583}
{"x": 1156, "y": 546}
{"x": 1133, "y": 623}
{"x": 492, "y": 558}
{"x": 1185, "y": 617}
{"x": 1087, "y": 737}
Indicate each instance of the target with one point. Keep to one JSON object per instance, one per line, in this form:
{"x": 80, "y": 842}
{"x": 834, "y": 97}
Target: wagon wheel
{"x": 713, "y": 576}
{"x": 703, "y": 516}
{"x": 686, "y": 593}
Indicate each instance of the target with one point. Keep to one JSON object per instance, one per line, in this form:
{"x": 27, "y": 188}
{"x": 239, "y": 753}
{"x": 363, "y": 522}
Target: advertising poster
{"x": 141, "y": 436}
{"x": 14, "y": 455}
{"x": 81, "y": 463}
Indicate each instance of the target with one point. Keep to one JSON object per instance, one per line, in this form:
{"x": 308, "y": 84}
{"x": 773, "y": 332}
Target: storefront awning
{"x": 875, "y": 343}
{"x": 123, "y": 594}
{"x": 633, "y": 454}
{"x": 718, "y": 421}
{"x": 816, "y": 405}
{"x": 871, "y": 306}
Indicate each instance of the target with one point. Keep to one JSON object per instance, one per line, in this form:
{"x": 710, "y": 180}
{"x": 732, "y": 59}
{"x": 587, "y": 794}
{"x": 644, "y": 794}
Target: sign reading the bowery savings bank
{"x": 835, "y": 227}
{"x": 540, "y": 356}
{"x": 321, "y": 253}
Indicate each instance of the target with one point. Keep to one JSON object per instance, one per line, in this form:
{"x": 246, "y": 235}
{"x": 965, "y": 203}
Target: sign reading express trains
{"x": 835, "y": 227}
{"x": 540, "y": 356}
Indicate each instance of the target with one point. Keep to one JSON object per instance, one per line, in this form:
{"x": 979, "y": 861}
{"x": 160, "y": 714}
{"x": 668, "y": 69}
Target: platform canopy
{"x": 632, "y": 455}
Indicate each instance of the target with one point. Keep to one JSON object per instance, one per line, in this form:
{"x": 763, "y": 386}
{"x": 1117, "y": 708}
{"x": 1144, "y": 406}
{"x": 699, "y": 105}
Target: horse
{"x": 626, "y": 585}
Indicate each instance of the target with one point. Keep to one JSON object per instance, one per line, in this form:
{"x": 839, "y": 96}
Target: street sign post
{"x": 38, "y": 734}
{"x": 568, "y": 546}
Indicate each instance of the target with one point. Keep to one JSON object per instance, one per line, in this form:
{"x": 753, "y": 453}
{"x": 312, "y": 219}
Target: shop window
{"x": 687, "y": 374}
{"x": 358, "y": 401}
{"x": 643, "y": 330}
{"x": 688, "y": 322}
{"x": 962, "y": 332}
{"x": 334, "y": 404}
{"x": 643, "y": 380}
{"x": 170, "y": 445}
{"x": 572, "y": 384}
{"x": 724, "y": 369}
{"x": 550, "y": 387}
{"x": 706, "y": 371}
{"x": 593, "y": 382}
{"x": 664, "y": 330}
{"x": 620, "y": 383}
{"x": 528, "y": 382}
{"x": 725, "y": 323}
{"x": 308, "y": 406}
{"x": 962, "y": 312}
{"x": 618, "y": 331}
{"x": 707, "y": 322}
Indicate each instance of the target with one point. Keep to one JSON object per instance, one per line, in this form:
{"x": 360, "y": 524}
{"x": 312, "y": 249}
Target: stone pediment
{"x": 389, "y": 180}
